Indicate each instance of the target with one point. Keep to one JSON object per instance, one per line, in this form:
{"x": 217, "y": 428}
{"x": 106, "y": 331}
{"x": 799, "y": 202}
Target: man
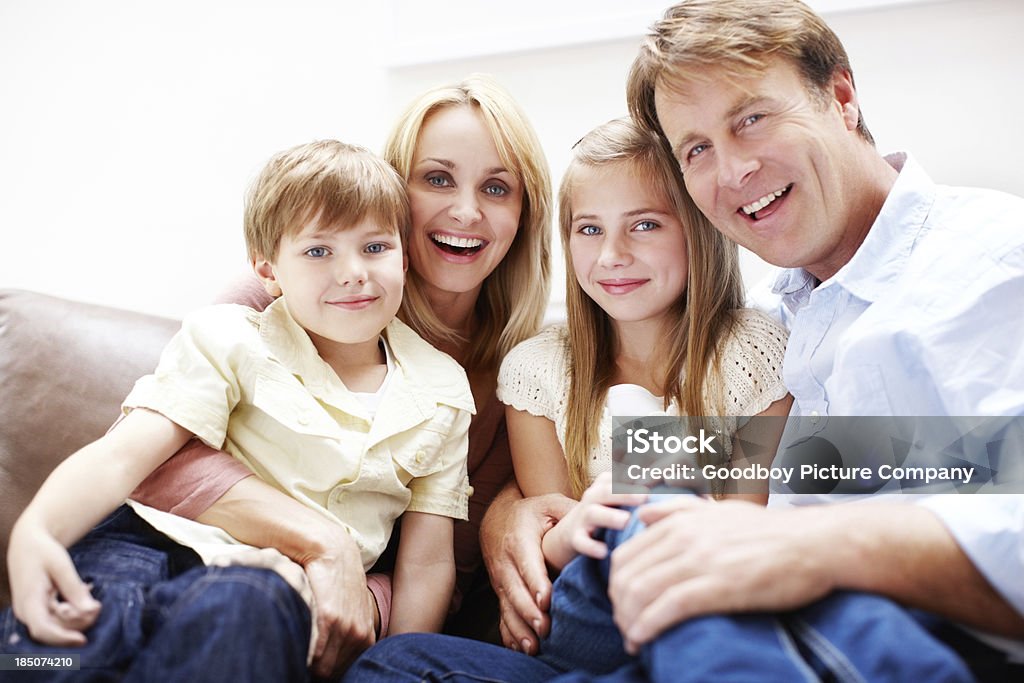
{"x": 902, "y": 299}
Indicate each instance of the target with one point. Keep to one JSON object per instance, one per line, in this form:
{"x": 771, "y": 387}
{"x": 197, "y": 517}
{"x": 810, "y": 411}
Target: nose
{"x": 351, "y": 271}
{"x": 735, "y": 166}
{"x": 465, "y": 207}
{"x": 614, "y": 251}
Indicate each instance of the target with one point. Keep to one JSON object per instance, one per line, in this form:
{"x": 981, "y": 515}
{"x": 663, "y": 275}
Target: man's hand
{"x": 345, "y": 608}
{"x": 41, "y": 570}
{"x": 700, "y": 557}
{"x": 510, "y": 539}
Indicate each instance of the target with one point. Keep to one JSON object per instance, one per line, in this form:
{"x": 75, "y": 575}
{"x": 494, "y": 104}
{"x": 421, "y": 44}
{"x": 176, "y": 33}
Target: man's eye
{"x": 695, "y": 150}
{"x": 317, "y": 252}
{"x": 376, "y": 248}
{"x": 752, "y": 119}
{"x": 589, "y": 230}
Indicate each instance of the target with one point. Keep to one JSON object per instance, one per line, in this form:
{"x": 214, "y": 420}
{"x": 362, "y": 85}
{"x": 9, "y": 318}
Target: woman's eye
{"x": 317, "y": 252}
{"x": 438, "y": 180}
{"x": 376, "y": 248}
{"x": 644, "y": 226}
{"x": 496, "y": 190}
{"x": 589, "y": 230}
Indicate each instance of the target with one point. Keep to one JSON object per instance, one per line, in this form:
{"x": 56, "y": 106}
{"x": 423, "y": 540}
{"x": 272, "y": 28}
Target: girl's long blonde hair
{"x": 702, "y": 316}
{"x": 513, "y": 298}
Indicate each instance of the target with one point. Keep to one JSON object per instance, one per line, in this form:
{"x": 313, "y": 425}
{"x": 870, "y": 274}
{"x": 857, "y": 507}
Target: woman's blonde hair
{"x": 701, "y": 317}
{"x": 513, "y": 298}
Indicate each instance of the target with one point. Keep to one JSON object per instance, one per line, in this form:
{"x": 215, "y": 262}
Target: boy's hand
{"x": 47, "y": 594}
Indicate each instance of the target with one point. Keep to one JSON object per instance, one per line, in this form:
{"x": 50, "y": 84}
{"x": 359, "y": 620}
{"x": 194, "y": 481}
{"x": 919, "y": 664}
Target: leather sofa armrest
{"x": 65, "y": 367}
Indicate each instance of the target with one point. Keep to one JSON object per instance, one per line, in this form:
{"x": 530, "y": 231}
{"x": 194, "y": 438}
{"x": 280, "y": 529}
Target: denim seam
{"x": 837, "y": 662}
{"x": 790, "y": 648}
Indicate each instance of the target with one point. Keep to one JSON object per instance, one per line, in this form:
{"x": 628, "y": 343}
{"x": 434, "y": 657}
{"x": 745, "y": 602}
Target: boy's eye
{"x": 589, "y": 230}
{"x": 317, "y": 252}
{"x": 376, "y": 248}
{"x": 644, "y": 226}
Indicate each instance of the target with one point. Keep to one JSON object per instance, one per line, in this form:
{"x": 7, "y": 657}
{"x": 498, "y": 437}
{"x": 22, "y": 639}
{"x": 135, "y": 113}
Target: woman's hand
{"x": 598, "y": 509}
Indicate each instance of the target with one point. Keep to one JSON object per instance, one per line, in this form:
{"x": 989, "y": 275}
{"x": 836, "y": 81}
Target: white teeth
{"x": 762, "y": 202}
{"x": 461, "y": 242}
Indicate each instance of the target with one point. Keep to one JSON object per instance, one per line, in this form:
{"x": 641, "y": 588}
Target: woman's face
{"x": 465, "y": 203}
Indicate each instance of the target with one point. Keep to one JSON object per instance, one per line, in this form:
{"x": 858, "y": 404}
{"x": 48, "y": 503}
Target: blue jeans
{"x": 167, "y": 617}
{"x": 844, "y": 637}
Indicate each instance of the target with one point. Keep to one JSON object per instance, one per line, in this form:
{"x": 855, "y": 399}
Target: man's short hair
{"x": 336, "y": 184}
{"x": 739, "y": 35}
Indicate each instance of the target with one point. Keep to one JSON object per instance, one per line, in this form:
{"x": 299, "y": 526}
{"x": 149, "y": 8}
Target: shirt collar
{"x": 880, "y": 258}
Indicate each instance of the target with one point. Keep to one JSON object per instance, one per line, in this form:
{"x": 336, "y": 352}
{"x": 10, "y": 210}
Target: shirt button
{"x": 419, "y": 457}
{"x": 303, "y": 419}
{"x": 814, "y": 417}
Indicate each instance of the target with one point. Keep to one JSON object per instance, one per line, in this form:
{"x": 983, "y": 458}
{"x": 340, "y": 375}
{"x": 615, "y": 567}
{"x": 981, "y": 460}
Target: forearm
{"x": 258, "y": 514}
{"x": 421, "y": 596}
{"x": 905, "y": 552}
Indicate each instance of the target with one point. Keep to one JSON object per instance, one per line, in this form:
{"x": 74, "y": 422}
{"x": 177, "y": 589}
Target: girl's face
{"x": 465, "y": 202}
{"x": 627, "y": 244}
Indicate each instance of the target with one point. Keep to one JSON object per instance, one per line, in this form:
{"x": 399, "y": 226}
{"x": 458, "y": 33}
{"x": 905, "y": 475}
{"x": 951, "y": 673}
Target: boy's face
{"x": 342, "y": 285}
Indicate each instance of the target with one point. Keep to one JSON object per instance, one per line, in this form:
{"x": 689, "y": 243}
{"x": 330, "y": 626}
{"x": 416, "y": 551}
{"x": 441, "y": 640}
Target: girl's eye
{"x": 439, "y": 180}
{"x": 589, "y": 230}
{"x": 376, "y": 248}
{"x": 645, "y": 226}
{"x": 496, "y": 190}
{"x": 317, "y": 252}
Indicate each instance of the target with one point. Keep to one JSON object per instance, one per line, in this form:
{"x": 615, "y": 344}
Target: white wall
{"x": 129, "y": 130}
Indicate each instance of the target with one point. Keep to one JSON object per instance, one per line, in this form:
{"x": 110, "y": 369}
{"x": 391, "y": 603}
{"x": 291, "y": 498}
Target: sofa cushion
{"x": 65, "y": 367}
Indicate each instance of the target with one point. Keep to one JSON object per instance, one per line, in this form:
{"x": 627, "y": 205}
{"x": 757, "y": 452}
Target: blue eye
{"x": 439, "y": 180}
{"x": 695, "y": 150}
{"x": 496, "y": 190}
{"x": 589, "y": 230}
{"x": 317, "y": 252}
{"x": 645, "y": 226}
{"x": 376, "y": 248}
{"x": 751, "y": 120}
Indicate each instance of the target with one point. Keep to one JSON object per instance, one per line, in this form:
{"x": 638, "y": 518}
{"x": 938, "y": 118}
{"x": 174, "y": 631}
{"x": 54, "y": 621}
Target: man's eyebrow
{"x": 734, "y": 111}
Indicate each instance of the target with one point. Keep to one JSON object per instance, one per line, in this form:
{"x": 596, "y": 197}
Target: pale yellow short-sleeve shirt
{"x": 252, "y": 384}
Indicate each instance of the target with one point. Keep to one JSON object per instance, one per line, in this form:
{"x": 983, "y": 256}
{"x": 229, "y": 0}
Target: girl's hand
{"x": 47, "y": 594}
{"x": 598, "y": 508}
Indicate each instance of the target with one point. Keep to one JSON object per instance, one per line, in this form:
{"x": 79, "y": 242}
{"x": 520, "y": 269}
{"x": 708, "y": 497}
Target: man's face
{"x": 771, "y": 163}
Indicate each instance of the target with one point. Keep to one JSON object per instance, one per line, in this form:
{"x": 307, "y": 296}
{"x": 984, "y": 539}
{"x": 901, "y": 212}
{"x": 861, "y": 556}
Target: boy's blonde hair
{"x": 331, "y": 182}
{"x": 514, "y": 297}
{"x": 739, "y": 35}
{"x": 701, "y": 318}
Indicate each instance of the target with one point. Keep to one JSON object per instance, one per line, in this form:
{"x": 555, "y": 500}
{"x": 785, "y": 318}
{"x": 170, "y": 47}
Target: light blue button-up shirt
{"x": 926, "y": 319}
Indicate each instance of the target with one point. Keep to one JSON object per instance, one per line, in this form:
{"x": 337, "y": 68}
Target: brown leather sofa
{"x": 65, "y": 367}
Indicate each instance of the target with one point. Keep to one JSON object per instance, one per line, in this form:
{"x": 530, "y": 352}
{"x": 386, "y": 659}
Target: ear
{"x": 265, "y": 272}
{"x": 845, "y": 97}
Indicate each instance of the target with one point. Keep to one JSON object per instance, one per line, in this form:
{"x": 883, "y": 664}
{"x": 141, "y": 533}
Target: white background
{"x": 129, "y": 130}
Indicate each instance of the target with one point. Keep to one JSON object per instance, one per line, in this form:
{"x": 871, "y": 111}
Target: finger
{"x": 602, "y": 517}
{"x": 533, "y": 586}
{"x": 585, "y": 544}
{"x": 70, "y": 586}
{"x": 517, "y": 634}
{"x": 683, "y": 601}
{"x": 655, "y": 512}
{"x": 46, "y": 628}
{"x": 70, "y": 617}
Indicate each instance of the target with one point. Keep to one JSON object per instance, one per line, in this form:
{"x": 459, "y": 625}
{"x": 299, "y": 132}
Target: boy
{"x": 324, "y": 395}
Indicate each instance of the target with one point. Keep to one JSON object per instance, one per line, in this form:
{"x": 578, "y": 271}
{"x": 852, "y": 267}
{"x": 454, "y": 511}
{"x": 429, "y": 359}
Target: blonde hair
{"x": 702, "y": 316}
{"x": 513, "y": 298}
{"x": 740, "y": 35}
{"x": 334, "y": 183}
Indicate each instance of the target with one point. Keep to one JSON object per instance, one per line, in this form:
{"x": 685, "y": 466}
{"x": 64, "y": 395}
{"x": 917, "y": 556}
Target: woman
{"x": 478, "y": 281}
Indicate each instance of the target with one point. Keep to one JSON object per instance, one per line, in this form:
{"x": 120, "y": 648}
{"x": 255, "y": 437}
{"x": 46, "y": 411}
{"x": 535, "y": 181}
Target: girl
{"x": 655, "y": 326}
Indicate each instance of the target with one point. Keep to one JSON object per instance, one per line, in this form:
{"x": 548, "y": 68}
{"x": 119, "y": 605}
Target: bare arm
{"x": 258, "y": 514}
{"x": 75, "y": 497}
{"x": 424, "y": 574}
